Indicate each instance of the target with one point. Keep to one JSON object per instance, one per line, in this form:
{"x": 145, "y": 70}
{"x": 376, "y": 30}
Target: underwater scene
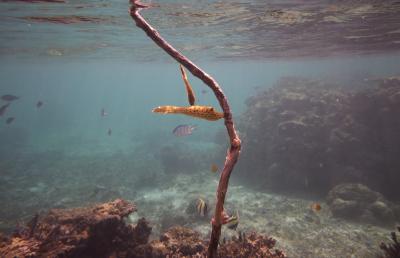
{"x": 115, "y": 142}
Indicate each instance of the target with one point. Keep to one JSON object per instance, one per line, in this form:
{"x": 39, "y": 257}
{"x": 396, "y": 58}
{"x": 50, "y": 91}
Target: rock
{"x": 358, "y": 202}
{"x": 100, "y": 231}
{"x": 96, "y": 231}
{"x": 345, "y": 208}
{"x": 382, "y": 211}
{"x": 391, "y": 250}
{"x": 355, "y": 192}
{"x": 396, "y": 210}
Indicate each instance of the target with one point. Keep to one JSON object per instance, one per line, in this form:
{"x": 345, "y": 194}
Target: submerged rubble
{"x": 184, "y": 242}
{"x": 309, "y": 135}
{"x": 391, "y": 250}
{"x": 96, "y": 231}
{"x": 101, "y": 231}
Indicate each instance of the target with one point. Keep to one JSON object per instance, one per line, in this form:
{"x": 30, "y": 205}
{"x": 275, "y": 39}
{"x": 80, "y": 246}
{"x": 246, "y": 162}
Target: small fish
{"x": 103, "y": 112}
{"x": 9, "y": 97}
{"x": 183, "y": 130}
{"x": 189, "y": 90}
{"x": 3, "y": 109}
{"x": 10, "y": 120}
{"x": 201, "y": 207}
{"x": 316, "y": 207}
{"x": 202, "y": 112}
{"x": 204, "y": 91}
{"x": 214, "y": 168}
{"x": 109, "y": 132}
{"x": 233, "y": 221}
{"x": 39, "y": 104}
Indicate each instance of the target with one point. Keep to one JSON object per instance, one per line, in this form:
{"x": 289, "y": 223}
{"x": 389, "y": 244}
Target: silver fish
{"x": 184, "y": 130}
{"x": 103, "y": 112}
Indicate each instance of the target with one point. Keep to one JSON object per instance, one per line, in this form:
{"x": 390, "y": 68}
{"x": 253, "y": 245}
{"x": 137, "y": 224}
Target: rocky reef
{"x": 184, "y": 242}
{"x": 97, "y": 231}
{"x": 358, "y": 202}
{"x": 311, "y": 135}
{"x": 391, "y": 250}
{"x": 101, "y": 231}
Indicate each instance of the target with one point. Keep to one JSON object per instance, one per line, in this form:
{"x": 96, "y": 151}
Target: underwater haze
{"x": 314, "y": 88}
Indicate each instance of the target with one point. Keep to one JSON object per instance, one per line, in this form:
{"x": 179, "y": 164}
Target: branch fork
{"x": 220, "y": 217}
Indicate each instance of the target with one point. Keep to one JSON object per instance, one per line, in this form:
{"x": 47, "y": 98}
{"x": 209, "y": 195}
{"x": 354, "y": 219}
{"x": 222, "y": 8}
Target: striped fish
{"x": 233, "y": 221}
{"x": 183, "y": 130}
{"x": 201, "y": 207}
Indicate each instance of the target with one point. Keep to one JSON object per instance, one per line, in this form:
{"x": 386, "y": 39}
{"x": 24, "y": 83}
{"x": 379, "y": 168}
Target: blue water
{"x": 61, "y": 152}
{"x": 74, "y": 92}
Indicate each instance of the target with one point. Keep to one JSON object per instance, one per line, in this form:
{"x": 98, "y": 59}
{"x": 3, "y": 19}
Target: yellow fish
{"x": 202, "y": 112}
{"x": 214, "y": 168}
{"x": 189, "y": 90}
{"x": 316, "y": 207}
{"x": 201, "y": 207}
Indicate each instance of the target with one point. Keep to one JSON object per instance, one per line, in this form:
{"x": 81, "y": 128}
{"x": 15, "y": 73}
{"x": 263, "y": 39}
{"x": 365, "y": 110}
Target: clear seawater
{"x": 60, "y": 155}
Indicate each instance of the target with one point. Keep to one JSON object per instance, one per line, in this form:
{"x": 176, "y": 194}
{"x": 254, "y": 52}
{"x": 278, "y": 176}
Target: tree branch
{"x": 235, "y": 144}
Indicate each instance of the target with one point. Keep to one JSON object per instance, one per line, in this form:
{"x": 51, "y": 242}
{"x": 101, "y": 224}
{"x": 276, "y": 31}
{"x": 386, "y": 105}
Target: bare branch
{"x": 234, "y": 150}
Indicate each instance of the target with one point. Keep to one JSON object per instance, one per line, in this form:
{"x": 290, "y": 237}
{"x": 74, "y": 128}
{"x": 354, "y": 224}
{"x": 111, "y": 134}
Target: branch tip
{"x": 137, "y": 4}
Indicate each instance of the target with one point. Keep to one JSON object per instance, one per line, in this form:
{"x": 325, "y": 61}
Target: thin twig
{"x": 234, "y": 150}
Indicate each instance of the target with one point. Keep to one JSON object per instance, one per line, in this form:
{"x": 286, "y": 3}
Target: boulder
{"x": 359, "y": 203}
{"x": 96, "y": 231}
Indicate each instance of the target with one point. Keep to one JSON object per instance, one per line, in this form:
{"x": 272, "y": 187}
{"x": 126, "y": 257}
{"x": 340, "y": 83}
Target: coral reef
{"x": 358, "y": 202}
{"x": 311, "y": 135}
{"x": 391, "y": 250}
{"x": 253, "y": 245}
{"x": 101, "y": 231}
{"x": 97, "y": 231}
{"x": 183, "y": 242}
{"x": 178, "y": 242}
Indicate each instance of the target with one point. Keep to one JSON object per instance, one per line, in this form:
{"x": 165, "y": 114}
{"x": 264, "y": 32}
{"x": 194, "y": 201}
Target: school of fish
{"x": 9, "y": 98}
